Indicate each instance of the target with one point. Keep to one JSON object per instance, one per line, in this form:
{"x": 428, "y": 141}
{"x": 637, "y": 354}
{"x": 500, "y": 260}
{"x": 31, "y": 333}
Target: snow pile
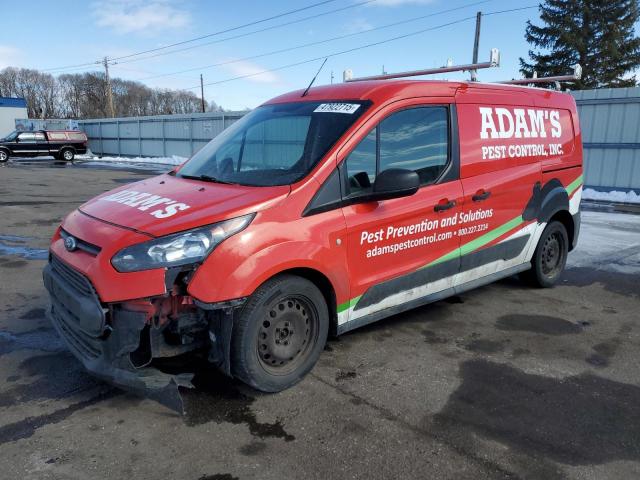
{"x": 173, "y": 160}
{"x": 613, "y": 196}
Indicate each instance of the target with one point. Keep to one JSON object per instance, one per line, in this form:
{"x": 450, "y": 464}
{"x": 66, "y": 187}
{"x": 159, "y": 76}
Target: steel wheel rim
{"x": 67, "y": 155}
{"x": 552, "y": 254}
{"x": 286, "y": 334}
{"x": 3, "y": 156}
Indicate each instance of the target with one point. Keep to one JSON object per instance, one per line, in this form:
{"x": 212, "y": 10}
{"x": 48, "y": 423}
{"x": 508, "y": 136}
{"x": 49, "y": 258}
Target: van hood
{"x": 167, "y": 204}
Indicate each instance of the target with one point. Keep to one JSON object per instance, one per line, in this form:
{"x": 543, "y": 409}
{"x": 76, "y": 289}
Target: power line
{"x": 381, "y": 42}
{"x": 319, "y": 42}
{"x": 335, "y": 54}
{"x": 256, "y": 22}
{"x": 219, "y": 32}
{"x": 253, "y": 32}
{"x": 497, "y": 12}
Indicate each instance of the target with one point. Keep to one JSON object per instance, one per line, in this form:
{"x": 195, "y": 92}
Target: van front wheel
{"x": 550, "y": 257}
{"x": 279, "y": 334}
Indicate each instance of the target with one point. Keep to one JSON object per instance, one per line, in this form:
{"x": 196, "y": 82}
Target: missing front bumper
{"x": 110, "y": 358}
{"x": 105, "y": 348}
{"x": 118, "y": 343}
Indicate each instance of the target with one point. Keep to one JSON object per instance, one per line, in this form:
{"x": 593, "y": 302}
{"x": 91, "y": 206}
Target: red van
{"x": 313, "y": 215}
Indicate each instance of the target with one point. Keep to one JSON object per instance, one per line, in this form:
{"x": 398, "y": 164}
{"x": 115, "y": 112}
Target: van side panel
{"x": 508, "y": 142}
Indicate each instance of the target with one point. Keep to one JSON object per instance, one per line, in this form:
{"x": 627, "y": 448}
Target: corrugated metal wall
{"x": 610, "y": 121}
{"x": 156, "y": 136}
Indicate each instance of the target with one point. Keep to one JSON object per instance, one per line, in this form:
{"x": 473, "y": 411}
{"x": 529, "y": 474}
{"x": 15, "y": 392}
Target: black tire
{"x": 280, "y": 333}
{"x": 67, "y": 154}
{"x": 550, "y": 257}
{"x": 4, "y": 155}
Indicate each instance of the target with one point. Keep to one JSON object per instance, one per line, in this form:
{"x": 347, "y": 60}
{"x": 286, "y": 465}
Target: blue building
{"x": 10, "y": 110}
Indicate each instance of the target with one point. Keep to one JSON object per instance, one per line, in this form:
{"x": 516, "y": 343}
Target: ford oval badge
{"x": 70, "y": 244}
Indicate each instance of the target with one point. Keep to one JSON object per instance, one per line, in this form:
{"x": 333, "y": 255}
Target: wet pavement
{"x": 504, "y": 381}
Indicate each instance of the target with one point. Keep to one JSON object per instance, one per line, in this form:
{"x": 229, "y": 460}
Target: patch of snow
{"x": 614, "y": 196}
{"x": 173, "y": 160}
{"x": 608, "y": 241}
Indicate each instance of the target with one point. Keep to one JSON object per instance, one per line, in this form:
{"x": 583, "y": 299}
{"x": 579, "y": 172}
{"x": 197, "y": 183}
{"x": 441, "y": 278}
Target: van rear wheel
{"x": 279, "y": 334}
{"x": 550, "y": 257}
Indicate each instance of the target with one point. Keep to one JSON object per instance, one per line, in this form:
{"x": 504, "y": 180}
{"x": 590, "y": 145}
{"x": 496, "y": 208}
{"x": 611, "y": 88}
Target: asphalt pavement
{"x": 505, "y": 381}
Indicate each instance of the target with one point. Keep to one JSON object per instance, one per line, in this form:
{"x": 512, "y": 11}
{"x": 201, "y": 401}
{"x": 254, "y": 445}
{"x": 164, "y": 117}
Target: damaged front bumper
{"x": 117, "y": 342}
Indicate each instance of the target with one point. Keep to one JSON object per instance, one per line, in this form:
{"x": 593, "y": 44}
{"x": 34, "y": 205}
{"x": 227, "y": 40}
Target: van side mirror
{"x": 394, "y": 183}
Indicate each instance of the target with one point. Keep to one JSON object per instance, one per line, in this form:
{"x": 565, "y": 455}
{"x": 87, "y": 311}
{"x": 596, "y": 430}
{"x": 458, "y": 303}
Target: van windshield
{"x": 274, "y": 144}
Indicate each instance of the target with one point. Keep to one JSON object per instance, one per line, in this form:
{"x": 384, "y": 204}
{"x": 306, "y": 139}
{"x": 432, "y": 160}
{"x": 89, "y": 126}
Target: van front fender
{"x": 218, "y": 281}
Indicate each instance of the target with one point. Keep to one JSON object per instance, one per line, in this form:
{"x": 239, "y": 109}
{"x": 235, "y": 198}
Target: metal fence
{"x": 155, "y": 136}
{"x": 610, "y": 121}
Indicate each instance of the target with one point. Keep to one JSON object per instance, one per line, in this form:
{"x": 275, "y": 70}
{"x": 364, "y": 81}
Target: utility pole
{"x": 331, "y": 77}
{"x": 476, "y": 44}
{"x": 110, "y": 109}
{"x": 202, "y": 93}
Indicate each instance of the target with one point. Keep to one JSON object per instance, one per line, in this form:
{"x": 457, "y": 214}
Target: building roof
{"x": 13, "y": 102}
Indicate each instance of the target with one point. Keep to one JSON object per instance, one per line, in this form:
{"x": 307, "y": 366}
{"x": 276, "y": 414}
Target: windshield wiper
{"x": 206, "y": 178}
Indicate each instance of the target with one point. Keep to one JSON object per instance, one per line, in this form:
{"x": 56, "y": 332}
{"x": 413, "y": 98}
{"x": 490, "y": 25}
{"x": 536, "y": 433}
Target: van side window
{"x": 361, "y": 165}
{"x": 414, "y": 139}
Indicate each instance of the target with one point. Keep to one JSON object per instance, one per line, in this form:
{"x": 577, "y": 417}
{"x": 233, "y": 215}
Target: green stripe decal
{"x": 347, "y": 305}
{"x": 573, "y": 186}
{"x": 476, "y": 244}
{"x": 479, "y": 242}
{"x": 463, "y": 250}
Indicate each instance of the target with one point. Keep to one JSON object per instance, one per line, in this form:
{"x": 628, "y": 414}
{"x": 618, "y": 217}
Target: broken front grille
{"x": 78, "y": 281}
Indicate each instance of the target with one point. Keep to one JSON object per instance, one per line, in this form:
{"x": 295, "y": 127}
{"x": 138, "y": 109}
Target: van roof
{"x": 379, "y": 91}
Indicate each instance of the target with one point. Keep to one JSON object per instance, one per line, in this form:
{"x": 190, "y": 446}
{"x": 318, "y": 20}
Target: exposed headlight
{"x": 184, "y": 248}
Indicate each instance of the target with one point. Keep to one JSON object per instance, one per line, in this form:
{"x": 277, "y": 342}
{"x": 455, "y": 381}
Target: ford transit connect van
{"x": 314, "y": 215}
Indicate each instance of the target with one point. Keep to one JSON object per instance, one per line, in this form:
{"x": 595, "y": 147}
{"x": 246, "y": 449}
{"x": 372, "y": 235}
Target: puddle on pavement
{"x": 42, "y": 339}
{"x": 603, "y": 353}
{"x": 486, "y": 346}
{"x": 625, "y": 284}
{"x": 577, "y": 420}
{"x": 219, "y": 399}
{"x": 543, "y": 324}
{"x": 13, "y": 245}
{"x": 27, "y": 427}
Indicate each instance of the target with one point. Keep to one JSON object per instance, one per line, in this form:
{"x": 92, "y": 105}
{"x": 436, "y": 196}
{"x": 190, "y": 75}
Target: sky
{"x": 53, "y": 34}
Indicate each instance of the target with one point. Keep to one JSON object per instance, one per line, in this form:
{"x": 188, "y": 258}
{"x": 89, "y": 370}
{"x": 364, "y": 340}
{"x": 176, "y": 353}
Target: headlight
{"x": 184, "y": 248}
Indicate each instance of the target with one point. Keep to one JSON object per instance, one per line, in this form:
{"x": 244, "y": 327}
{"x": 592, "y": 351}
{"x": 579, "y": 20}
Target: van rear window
{"x": 274, "y": 144}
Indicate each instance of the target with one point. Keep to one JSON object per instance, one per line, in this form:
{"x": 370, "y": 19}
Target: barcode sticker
{"x": 347, "y": 108}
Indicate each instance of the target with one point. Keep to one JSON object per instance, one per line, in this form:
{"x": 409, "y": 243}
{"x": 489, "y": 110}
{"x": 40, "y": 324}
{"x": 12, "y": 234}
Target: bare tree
{"x": 83, "y": 95}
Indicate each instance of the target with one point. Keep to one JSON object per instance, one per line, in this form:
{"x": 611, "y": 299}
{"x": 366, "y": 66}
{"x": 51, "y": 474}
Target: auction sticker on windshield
{"x": 348, "y": 108}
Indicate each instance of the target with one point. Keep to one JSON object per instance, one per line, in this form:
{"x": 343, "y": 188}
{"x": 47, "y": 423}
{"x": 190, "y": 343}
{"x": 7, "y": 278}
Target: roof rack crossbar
{"x": 494, "y": 61}
{"x": 576, "y": 75}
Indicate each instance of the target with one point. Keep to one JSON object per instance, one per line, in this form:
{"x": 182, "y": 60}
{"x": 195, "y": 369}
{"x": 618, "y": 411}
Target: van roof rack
{"x": 494, "y": 61}
{"x": 576, "y": 75}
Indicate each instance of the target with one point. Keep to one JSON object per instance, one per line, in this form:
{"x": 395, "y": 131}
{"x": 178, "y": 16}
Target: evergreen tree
{"x": 597, "y": 34}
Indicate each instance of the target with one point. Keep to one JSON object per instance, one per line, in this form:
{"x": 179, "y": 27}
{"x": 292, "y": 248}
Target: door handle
{"x": 481, "y": 195}
{"x": 444, "y": 204}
